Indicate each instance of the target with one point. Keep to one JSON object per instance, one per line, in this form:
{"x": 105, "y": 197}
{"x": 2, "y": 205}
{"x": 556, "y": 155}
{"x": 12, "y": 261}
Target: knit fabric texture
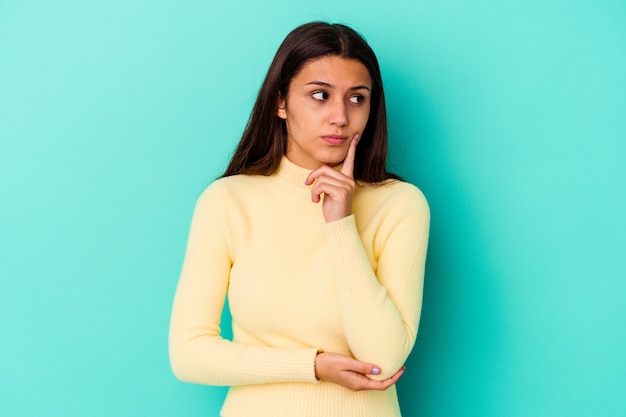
{"x": 297, "y": 285}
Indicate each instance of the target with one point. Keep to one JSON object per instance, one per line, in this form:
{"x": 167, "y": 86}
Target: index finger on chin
{"x": 348, "y": 163}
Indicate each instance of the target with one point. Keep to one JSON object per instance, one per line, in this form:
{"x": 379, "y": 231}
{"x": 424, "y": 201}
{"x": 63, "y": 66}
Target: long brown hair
{"x": 264, "y": 141}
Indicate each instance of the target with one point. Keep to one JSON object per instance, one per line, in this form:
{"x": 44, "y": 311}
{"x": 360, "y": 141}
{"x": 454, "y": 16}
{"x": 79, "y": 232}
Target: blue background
{"x": 509, "y": 115}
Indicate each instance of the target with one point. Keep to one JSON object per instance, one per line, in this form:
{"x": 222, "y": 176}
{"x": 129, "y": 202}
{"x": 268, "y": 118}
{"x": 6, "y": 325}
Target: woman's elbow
{"x": 179, "y": 364}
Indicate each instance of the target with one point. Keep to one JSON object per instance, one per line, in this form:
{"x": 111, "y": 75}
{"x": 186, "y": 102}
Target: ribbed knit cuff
{"x": 349, "y": 257}
{"x": 278, "y": 365}
{"x": 342, "y": 229}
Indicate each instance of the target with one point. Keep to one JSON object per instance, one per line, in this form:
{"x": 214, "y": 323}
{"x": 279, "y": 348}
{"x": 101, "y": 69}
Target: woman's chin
{"x": 333, "y": 159}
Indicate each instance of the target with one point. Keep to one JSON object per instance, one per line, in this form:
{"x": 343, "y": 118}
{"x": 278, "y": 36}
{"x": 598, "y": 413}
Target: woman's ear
{"x": 281, "y": 112}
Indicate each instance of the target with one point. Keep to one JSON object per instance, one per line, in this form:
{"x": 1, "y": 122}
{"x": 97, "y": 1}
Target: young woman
{"x": 320, "y": 250}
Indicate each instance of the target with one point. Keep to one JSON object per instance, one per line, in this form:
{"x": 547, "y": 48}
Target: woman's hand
{"x": 337, "y": 186}
{"x": 351, "y": 373}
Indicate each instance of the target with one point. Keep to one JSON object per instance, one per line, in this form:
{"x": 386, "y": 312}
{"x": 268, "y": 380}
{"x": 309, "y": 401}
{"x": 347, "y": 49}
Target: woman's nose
{"x": 338, "y": 113}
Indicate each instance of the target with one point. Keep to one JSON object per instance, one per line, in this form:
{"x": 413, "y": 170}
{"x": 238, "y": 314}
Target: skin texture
{"x": 329, "y": 96}
{"x": 351, "y": 373}
{"x": 336, "y": 186}
{"x": 326, "y": 108}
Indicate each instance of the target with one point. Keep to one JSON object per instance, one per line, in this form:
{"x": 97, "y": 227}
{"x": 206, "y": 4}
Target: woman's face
{"x": 327, "y": 104}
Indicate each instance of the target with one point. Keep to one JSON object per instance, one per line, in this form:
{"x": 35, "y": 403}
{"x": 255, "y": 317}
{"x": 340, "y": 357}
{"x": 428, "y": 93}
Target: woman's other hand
{"x": 337, "y": 186}
{"x": 351, "y": 373}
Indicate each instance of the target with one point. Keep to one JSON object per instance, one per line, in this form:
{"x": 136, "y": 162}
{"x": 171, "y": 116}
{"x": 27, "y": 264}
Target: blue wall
{"x": 511, "y": 116}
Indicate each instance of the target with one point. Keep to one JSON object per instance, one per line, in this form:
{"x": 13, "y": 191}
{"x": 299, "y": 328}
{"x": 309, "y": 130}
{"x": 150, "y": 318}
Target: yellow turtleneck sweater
{"x": 297, "y": 285}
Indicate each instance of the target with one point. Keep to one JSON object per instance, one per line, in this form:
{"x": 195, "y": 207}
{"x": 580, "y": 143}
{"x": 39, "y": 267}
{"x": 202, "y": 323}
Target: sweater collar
{"x": 291, "y": 178}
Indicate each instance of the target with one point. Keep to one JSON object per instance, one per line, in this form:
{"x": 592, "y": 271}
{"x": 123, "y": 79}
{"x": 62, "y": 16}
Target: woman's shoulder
{"x": 234, "y": 185}
{"x": 235, "y": 181}
{"x": 393, "y": 192}
{"x": 392, "y": 203}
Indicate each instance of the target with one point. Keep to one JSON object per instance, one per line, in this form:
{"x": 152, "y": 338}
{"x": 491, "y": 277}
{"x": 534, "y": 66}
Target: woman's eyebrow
{"x": 330, "y": 86}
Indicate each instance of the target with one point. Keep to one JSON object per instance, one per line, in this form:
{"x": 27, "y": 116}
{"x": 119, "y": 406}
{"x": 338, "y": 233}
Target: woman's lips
{"x": 334, "y": 139}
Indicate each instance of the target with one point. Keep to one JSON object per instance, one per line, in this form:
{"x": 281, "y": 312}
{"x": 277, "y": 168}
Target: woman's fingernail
{"x": 375, "y": 371}
{"x": 356, "y": 137}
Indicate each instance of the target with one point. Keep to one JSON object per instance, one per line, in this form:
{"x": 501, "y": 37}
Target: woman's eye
{"x": 357, "y": 99}
{"x": 320, "y": 95}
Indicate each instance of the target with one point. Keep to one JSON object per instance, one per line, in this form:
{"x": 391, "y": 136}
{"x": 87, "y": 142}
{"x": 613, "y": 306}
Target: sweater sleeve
{"x": 380, "y": 309}
{"x": 198, "y": 353}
